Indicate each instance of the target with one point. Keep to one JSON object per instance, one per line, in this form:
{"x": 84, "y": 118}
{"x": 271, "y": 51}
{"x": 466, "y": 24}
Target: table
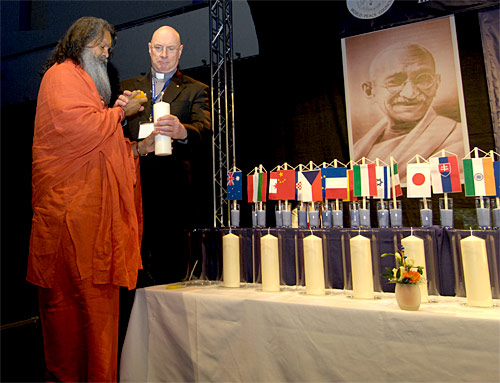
{"x": 216, "y": 334}
{"x": 442, "y": 251}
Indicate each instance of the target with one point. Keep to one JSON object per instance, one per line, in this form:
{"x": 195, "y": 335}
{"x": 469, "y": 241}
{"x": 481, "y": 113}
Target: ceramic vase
{"x": 408, "y": 296}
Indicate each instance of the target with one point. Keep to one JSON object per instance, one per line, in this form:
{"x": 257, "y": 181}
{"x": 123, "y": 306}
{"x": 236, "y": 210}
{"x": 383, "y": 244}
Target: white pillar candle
{"x": 313, "y": 265}
{"x": 414, "y": 248}
{"x": 270, "y": 263}
{"x": 476, "y": 272}
{"x": 361, "y": 267}
{"x": 231, "y": 260}
{"x": 163, "y": 144}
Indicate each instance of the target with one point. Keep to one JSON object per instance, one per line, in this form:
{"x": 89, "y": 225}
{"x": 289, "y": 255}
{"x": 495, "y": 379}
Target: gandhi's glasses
{"x": 423, "y": 82}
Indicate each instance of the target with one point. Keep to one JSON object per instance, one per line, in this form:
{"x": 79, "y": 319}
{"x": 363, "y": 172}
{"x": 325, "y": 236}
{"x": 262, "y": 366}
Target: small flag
{"x": 350, "y": 187}
{"x": 383, "y": 182}
{"x": 445, "y": 175}
{"x": 234, "y": 186}
{"x": 257, "y": 187}
{"x": 479, "y": 177}
{"x": 365, "y": 180}
{"x": 282, "y": 185}
{"x": 418, "y": 180}
{"x": 308, "y": 186}
{"x": 496, "y": 168}
{"x": 395, "y": 180}
{"x": 334, "y": 182}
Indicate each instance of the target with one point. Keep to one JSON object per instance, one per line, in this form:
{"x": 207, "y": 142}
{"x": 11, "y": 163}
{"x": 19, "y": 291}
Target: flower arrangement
{"x": 405, "y": 272}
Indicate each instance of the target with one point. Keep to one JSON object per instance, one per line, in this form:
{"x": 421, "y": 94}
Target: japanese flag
{"x": 418, "y": 178}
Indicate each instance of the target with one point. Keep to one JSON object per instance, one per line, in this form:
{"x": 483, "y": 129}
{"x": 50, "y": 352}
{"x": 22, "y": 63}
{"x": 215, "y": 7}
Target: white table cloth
{"x": 217, "y": 334}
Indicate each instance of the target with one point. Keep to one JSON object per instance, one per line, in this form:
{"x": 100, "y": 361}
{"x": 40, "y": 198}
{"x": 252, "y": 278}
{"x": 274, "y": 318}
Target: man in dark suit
{"x": 166, "y": 181}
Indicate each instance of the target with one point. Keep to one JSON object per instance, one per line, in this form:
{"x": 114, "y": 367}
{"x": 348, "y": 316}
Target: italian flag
{"x": 365, "y": 180}
{"x": 479, "y": 177}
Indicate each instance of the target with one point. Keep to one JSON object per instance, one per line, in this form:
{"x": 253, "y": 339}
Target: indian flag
{"x": 479, "y": 177}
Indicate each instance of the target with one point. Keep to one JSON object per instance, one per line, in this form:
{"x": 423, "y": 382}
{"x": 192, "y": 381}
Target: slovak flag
{"x": 418, "y": 180}
{"x": 334, "y": 183}
{"x": 308, "y": 186}
{"x": 479, "y": 177}
{"x": 257, "y": 187}
{"x": 365, "y": 180}
{"x": 445, "y": 175}
{"x": 234, "y": 186}
{"x": 383, "y": 182}
{"x": 282, "y": 185}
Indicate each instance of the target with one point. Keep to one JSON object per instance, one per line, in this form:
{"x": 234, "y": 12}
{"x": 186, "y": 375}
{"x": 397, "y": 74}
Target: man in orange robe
{"x": 85, "y": 234}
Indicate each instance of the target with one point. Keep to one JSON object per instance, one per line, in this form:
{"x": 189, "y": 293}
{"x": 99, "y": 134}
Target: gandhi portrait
{"x": 402, "y": 81}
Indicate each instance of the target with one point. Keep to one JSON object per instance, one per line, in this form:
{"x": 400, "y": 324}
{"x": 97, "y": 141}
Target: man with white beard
{"x": 86, "y": 226}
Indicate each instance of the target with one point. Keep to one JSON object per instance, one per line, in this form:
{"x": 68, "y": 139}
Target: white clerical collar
{"x": 163, "y": 76}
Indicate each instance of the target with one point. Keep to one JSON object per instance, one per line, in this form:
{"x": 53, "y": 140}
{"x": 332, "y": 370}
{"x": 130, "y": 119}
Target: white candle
{"x": 163, "y": 144}
{"x": 476, "y": 272}
{"x": 231, "y": 260}
{"x": 361, "y": 267}
{"x": 414, "y": 248}
{"x": 270, "y": 263}
{"x": 313, "y": 265}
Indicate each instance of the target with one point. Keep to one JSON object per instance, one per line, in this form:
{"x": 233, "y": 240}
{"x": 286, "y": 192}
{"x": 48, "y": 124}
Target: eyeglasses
{"x": 423, "y": 82}
{"x": 160, "y": 48}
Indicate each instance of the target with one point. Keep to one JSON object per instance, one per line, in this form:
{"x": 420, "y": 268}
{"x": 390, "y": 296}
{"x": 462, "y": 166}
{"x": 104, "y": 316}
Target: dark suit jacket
{"x": 172, "y": 176}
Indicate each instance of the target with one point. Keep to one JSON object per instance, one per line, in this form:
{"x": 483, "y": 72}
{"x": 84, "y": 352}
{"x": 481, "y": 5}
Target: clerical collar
{"x": 163, "y": 76}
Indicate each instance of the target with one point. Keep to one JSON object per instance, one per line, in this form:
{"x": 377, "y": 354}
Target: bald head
{"x": 165, "y": 49}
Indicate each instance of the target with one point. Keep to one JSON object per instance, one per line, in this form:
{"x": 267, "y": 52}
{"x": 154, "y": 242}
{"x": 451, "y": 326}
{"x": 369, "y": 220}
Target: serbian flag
{"x": 445, "y": 175}
{"x": 383, "y": 182}
{"x": 350, "y": 187}
{"x": 395, "y": 180}
{"x": 365, "y": 180}
{"x": 308, "y": 186}
{"x": 234, "y": 186}
{"x": 418, "y": 180}
{"x": 496, "y": 168}
{"x": 479, "y": 177}
{"x": 334, "y": 182}
{"x": 256, "y": 187}
{"x": 282, "y": 185}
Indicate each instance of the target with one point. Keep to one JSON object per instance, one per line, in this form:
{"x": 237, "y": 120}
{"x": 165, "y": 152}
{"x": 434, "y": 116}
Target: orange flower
{"x": 413, "y": 276}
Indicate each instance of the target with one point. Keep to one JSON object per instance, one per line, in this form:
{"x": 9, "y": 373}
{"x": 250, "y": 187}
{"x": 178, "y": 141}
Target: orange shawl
{"x": 83, "y": 176}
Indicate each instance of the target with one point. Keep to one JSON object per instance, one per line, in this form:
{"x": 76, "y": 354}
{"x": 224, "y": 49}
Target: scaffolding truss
{"x": 221, "y": 69}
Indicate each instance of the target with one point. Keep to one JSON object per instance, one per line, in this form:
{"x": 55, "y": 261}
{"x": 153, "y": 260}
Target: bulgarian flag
{"x": 365, "y": 180}
{"x": 256, "y": 187}
{"x": 479, "y": 177}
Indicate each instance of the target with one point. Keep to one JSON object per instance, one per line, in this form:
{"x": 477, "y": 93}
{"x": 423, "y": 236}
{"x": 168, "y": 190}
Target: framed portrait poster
{"x": 404, "y": 93}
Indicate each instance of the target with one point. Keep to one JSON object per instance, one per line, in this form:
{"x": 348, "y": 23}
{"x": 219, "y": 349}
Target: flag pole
{"x": 393, "y": 186}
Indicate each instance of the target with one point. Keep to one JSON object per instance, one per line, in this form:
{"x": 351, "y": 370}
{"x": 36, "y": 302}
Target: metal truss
{"x": 221, "y": 69}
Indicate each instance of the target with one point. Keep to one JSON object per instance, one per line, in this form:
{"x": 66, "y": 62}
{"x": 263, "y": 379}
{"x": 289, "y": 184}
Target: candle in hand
{"x": 163, "y": 144}
{"x": 231, "y": 260}
{"x": 361, "y": 266}
{"x": 313, "y": 265}
{"x": 270, "y": 263}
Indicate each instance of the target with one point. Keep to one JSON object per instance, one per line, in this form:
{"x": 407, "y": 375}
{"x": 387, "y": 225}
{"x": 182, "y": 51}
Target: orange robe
{"x": 86, "y": 222}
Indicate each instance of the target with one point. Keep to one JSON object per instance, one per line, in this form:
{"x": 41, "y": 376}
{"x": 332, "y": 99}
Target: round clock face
{"x": 368, "y": 9}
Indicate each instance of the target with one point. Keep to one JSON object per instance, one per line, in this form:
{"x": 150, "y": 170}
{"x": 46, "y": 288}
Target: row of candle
{"x": 388, "y": 215}
{"x": 474, "y": 261}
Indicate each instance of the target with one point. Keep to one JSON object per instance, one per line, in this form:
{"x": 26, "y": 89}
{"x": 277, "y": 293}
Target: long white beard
{"x": 96, "y": 68}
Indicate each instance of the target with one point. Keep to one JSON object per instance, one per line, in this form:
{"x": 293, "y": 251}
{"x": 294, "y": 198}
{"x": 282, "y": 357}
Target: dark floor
{"x": 22, "y": 357}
